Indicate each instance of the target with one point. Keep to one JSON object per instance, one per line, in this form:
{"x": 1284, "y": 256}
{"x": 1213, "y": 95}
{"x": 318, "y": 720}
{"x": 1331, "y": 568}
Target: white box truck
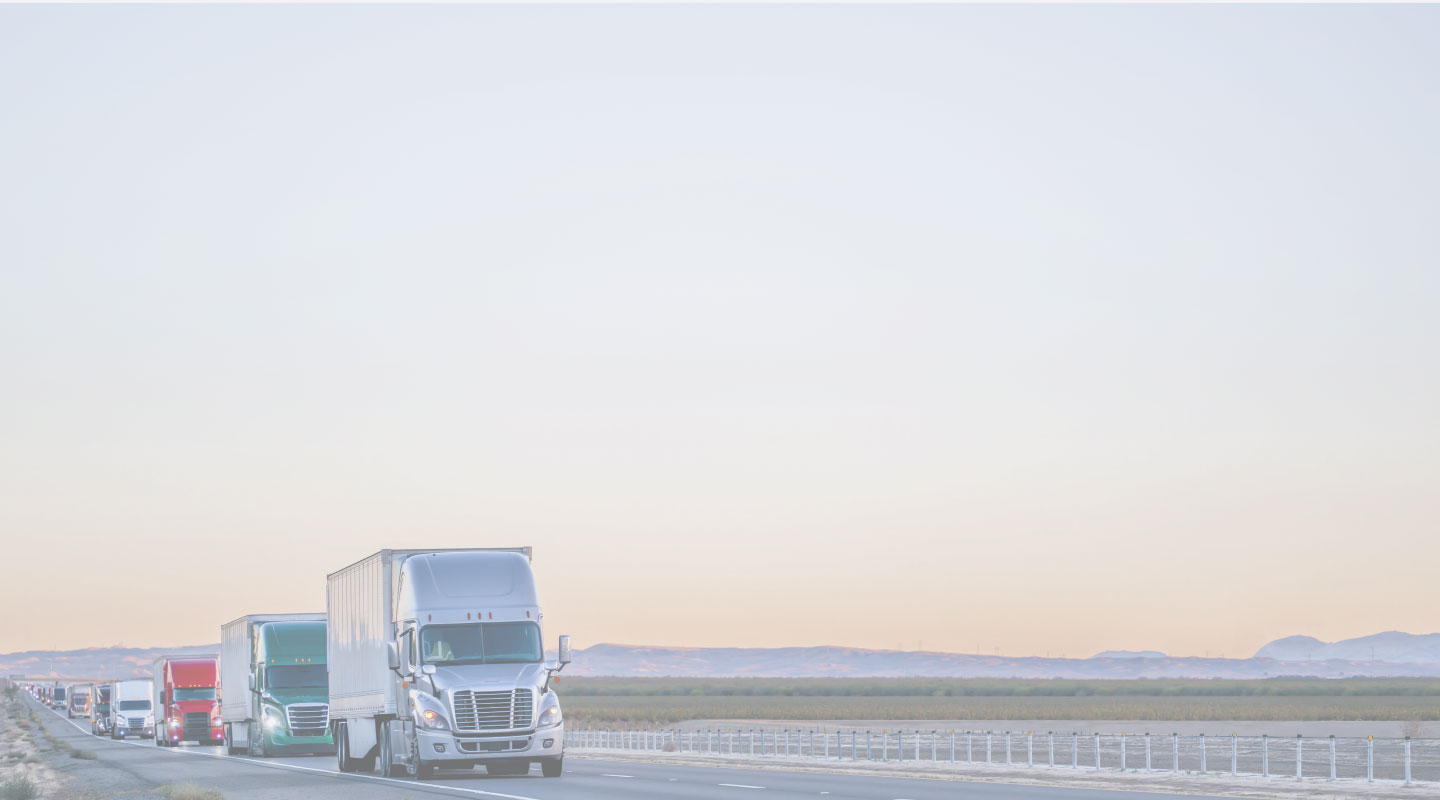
{"x": 274, "y": 695}
{"x": 436, "y": 662}
{"x": 131, "y": 711}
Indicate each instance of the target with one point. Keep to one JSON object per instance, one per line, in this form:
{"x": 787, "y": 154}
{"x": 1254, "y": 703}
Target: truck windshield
{"x": 133, "y": 705}
{"x": 297, "y": 676}
{"x": 195, "y": 693}
{"x": 488, "y": 643}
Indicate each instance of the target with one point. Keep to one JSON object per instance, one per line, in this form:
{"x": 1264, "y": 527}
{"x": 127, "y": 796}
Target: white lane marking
{"x": 180, "y": 751}
{"x": 740, "y": 786}
{"x": 608, "y": 775}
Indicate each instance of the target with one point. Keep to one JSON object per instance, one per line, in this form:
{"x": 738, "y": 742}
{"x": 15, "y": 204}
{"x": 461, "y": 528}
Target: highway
{"x": 241, "y": 777}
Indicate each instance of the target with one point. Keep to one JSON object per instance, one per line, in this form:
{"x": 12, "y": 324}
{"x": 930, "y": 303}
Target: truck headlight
{"x": 549, "y": 716}
{"x": 428, "y": 712}
{"x": 273, "y": 719}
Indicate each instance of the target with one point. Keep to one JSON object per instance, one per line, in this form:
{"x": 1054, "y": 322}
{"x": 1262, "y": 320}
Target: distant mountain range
{"x": 1394, "y": 654}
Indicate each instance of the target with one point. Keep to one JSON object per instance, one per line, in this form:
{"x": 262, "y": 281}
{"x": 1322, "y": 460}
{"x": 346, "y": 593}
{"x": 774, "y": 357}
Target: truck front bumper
{"x": 290, "y": 741}
{"x": 440, "y": 747}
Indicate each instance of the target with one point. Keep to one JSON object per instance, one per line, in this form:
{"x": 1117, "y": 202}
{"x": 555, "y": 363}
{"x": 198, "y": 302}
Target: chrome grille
{"x": 195, "y": 725}
{"x": 135, "y": 722}
{"x": 493, "y": 711}
{"x": 308, "y": 719}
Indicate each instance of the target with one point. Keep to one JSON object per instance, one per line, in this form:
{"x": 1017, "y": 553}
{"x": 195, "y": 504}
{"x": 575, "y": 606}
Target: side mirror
{"x": 251, "y": 681}
{"x": 428, "y": 669}
{"x": 564, "y": 657}
{"x": 392, "y": 656}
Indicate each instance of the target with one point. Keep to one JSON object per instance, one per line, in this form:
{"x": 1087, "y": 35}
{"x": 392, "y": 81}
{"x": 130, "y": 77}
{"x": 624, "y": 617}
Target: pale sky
{"x": 1038, "y": 330}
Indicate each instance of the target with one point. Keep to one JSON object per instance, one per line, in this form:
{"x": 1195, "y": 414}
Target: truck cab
{"x": 57, "y": 697}
{"x": 187, "y": 701}
{"x": 132, "y": 711}
{"x": 79, "y": 702}
{"x": 274, "y": 685}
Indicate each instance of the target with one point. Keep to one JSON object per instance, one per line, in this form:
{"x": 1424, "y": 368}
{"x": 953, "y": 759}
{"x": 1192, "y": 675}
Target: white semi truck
{"x": 436, "y": 662}
{"x": 131, "y": 712}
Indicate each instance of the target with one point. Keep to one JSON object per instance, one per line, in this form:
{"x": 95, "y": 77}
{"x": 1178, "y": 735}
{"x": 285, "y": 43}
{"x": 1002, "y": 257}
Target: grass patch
{"x": 19, "y": 789}
{"x": 83, "y": 755}
{"x": 189, "y": 791}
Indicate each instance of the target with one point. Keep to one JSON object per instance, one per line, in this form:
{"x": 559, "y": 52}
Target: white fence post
{"x": 1052, "y": 748}
{"x": 1265, "y": 755}
{"x": 1075, "y": 750}
{"x": 1175, "y": 752}
{"x": 1029, "y": 748}
{"x": 1370, "y": 758}
{"x": 1332, "y": 756}
{"x": 1299, "y": 756}
{"x": 1097, "y": 751}
{"x": 1122, "y": 752}
{"x": 989, "y": 746}
{"x": 1202, "y": 754}
{"x": 1234, "y": 751}
{"x": 1407, "y": 760}
{"x": 1008, "y": 758}
{"x": 1147, "y": 752}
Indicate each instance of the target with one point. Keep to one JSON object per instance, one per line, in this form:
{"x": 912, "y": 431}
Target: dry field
{"x": 613, "y": 701}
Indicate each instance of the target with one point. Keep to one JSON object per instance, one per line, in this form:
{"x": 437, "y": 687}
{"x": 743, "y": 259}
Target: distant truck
{"x": 79, "y": 701}
{"x": 436, "y": 662}
{"x": 132, "y": 712}
{"x": 274, "y": 688}
{"x": 187, "y": 705}
{"x": 57, "y": 696}
{"x": 100, "y": 708}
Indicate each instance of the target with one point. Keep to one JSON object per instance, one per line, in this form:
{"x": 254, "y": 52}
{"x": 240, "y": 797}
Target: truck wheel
{"x": 421, "y": 770}
{"x": 387, "y": 755}
{"x": 342, "y": 749}
{"x": 552, "y": 767}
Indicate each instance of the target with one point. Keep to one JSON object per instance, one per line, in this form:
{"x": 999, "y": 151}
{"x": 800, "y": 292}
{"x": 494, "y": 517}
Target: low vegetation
{"x": 19, "y": 788}
{"x": 189, "y": 791}
{"x": 599, "y": 701}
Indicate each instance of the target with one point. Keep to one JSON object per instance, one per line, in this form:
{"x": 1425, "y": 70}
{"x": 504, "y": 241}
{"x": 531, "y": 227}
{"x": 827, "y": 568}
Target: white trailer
{"x": 436, "y": 662}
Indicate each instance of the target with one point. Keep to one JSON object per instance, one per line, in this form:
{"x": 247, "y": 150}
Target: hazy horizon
{"x": 1021, "y": 330}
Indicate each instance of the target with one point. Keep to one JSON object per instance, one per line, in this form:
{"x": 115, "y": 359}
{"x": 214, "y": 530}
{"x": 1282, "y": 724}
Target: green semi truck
{"x": 274, "y": 688}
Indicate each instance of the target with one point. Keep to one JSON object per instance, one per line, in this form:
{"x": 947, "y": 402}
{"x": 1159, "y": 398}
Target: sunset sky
{"x": 1028, "y": 330}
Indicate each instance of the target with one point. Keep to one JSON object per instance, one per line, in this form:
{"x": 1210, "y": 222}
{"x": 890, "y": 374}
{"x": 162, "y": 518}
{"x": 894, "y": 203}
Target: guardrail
{"x": 1408, "y": 761}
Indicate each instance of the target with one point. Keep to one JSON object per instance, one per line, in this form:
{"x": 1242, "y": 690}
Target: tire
{"x": 342, "y": 749}
{"x": 387, "y": 754}
{"x": 256, "y": 742}
{"x": 417, "y": 767}
{"x": 230, "y": 748}
{"x": 552, "y": 767}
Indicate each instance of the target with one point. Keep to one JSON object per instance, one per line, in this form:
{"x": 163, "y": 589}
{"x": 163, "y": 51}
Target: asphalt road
{"x": 243, "y": 778}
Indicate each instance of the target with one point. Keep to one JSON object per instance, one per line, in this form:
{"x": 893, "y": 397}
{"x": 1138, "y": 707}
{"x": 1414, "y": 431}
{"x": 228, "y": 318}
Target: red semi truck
{"x": 186, "y": 706}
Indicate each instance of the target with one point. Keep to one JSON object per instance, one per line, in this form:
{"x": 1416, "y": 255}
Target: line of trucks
{"x": 423, "y": 660}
